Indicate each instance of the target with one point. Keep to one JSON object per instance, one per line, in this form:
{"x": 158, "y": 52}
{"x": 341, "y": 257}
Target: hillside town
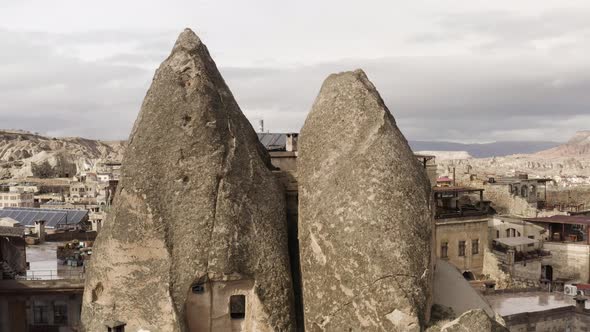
{"x": 338, "y": 227}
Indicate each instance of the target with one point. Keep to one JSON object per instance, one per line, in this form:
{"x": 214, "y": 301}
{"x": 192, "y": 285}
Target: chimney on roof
{"x": 40, "y": 230}
{"x": 291, "y": 144}
{"x": 261, "y": 126}
{"x": 580, "y": 303}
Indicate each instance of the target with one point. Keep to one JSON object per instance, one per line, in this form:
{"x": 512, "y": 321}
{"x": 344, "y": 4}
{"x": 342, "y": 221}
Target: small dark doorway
{"x": 237, "y": 306}
{"x": 468, "y": 276}
{"x": 547, "y": 272}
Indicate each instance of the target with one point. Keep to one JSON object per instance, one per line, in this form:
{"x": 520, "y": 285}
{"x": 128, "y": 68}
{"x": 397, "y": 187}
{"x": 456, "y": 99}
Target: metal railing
{"x": 53, "y": 275}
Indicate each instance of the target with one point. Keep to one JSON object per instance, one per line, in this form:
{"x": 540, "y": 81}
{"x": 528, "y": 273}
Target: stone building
{"x": 86, "y": 192}
{"x": 519, "y": 196}
{"x": 32, "y": 302}
{"x": 17, "y": 198}
{"x": 282, "y": 148}
{"x": 567, "y": 239}
{"x": 461, "y": 228}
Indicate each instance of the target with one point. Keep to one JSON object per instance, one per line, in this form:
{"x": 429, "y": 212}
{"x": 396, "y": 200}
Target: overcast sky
{"x": 460, "y": 70}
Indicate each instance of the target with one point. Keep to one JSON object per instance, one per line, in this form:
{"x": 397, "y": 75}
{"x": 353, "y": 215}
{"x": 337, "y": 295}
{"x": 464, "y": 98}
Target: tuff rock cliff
{"x": 197, "y": 210}
{"x": 365, "y": 215}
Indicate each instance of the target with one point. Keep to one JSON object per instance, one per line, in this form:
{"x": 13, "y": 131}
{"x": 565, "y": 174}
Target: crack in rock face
{"x": 365, "y": 212}
{"x": 197, "y": 210}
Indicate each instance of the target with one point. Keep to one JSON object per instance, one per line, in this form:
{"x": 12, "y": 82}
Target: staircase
{"x": 7, "y": 271}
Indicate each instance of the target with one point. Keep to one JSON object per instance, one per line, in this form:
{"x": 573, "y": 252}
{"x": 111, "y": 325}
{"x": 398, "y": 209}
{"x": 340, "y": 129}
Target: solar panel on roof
{"x": 52, "y": 217}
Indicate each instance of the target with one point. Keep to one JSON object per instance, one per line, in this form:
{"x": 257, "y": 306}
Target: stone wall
{"x": 499, "y": 225}
{"x": 12, "y": 250}
{"x": 561, "y": 319}
{"x": 569, "y": 261}
{"x": 529, "y": 270}
{"x": 284, "y": 160}
{"x": 69, "y": 236}
{"x": 521, "y": 276}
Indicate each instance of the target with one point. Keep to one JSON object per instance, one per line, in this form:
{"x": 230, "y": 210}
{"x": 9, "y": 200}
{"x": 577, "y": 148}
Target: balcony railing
{"x": 53, "y": 275}
{"x": 449, "y": 213}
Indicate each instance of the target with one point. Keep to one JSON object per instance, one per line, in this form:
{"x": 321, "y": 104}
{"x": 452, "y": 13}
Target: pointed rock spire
{"x": 197, "y": 234}
{"x": 365, "y": 224}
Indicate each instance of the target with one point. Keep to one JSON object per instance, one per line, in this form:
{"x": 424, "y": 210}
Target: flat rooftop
{"x": 516, "y": 303}
{"x": 45, "y": 266}
{"x": 572, "y": 220}
{"x": 456, "y": 190}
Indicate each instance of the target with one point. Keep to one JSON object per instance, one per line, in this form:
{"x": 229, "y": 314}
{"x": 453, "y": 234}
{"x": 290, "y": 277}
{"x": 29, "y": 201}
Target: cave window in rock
{"x": 237, "y": 306}
{"x": 198, "y": 289}
{"x": 115, "y": 326}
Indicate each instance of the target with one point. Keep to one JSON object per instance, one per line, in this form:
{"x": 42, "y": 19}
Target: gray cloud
{"x": 49, "y": 92}
{"x": 92, "y": 83}
{"x": 510, "y": 30}
{"x": 436, "y": 97}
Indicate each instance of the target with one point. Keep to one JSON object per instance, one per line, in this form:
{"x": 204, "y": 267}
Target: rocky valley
{"x": 25, "y": 154}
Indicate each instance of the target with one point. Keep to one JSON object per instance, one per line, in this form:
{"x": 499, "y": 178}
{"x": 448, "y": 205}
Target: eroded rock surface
{"x": 471, "y": 321}
{"x": 365, "y": 215}
{"x": 197, "y": 205}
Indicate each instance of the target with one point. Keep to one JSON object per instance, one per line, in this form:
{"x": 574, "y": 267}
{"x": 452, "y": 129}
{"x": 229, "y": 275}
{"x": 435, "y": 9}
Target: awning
{"x": 515, "y": 241}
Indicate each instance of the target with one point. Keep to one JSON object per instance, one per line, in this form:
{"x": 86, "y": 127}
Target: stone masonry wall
{"x": 569, "y": 261}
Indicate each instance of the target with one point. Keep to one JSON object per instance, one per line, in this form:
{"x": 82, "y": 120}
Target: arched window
{"x": 524, "y": 191}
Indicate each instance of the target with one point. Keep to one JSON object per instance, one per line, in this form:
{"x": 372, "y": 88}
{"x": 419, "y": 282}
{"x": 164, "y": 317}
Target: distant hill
{"x": 486, "y": 150}
{"x": 577, "y": 146}
{"x": 24, "y": 154}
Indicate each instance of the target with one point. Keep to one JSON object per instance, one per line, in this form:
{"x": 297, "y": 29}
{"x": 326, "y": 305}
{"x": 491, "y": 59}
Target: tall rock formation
{"x": 197, "y": 239}
{"x": 365, "y": 215}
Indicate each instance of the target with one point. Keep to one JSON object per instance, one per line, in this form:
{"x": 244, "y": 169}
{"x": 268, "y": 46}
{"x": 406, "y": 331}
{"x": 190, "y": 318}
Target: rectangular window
{"x": 237, "y": 306}
{"x": 497, "y": 234}
{"x": 532, "y": 237}
{"x": 475, "y": 247}
{"x": 40, "y": 314}
{"x": 461, "y": 248}
{"x": 60, "y": 314}
{"x": 444, "y": 250}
